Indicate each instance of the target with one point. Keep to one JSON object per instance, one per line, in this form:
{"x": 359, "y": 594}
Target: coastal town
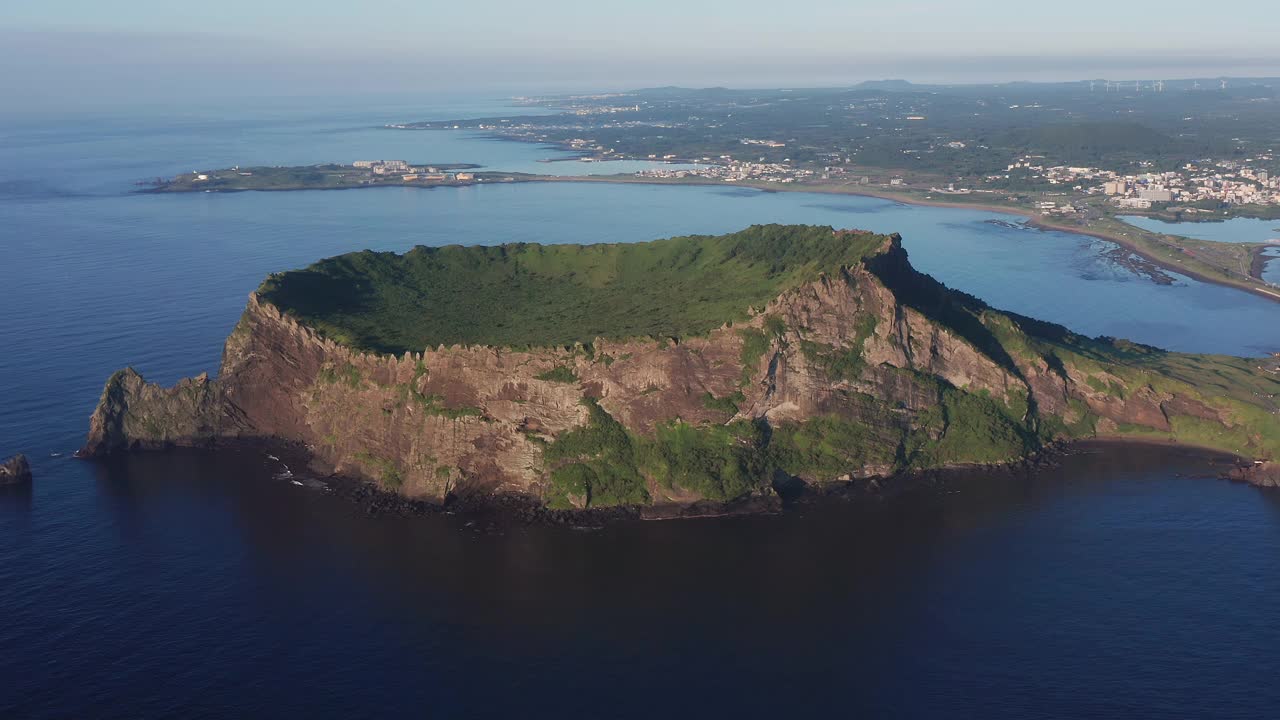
{"x": 1195, "y": 184}
{"x": 1076, "y": 198}
{"x": 730, "y": 170}
{"x": 1199, "y": 186}
{"x": 1182, "y": 150}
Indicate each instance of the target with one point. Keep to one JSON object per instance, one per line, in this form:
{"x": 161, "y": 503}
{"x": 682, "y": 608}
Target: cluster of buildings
{"x": 1192, "y": 184}
{"x": 409, "y": 173}
{"x": 734, "y": 171}
{"x": 604, "y": 109}
{"x": 1228, "y": 182}
{"x": 584, "y": 145}
{"x": 383, "y": 167}
{"x": 766, "y": 143}
{"x": 1051, "y": 208}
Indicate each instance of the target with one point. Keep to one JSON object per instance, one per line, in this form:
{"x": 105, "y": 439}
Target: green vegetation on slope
{"x": 560, "y": 374}
{"x": 595, "y": 464}
{"x": 1234, "y": 386}
{"x": 828, "y": 446}
{"x": 549, "y": 295}
{"x": 844, "y": 363}
{"x": 603, "y": 463}
{"x": 988, "y": 428}
{"x": 385, "y": 470}
{"x": 720, "y": 462}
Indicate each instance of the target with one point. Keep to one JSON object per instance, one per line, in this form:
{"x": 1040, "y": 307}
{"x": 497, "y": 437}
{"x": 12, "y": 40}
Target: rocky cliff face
{"x": 863, "y": 372}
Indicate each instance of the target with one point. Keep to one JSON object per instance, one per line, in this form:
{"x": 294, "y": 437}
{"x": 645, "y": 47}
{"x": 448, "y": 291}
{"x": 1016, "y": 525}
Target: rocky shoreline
{"x": 494, "y": 510}
{"x": 1258, "y": 265}
{"x": 1260, "y": 474}
{"x": 1138, "y": 265}
{"x": 491, "y": 512}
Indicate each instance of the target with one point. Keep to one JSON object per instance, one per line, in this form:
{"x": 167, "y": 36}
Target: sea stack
{"x": 15, "y": 471}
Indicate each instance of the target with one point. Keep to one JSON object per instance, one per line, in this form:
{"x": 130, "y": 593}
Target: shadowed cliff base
{"x": 670, "y": 374}
{"x": 288, "y": 463}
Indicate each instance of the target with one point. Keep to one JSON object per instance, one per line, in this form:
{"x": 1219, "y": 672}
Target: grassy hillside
{"x": 544, "y": 295}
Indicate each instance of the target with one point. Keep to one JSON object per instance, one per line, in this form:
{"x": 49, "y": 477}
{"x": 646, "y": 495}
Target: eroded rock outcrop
{"x": 135, "y": 415}
{"x": 15, "y": 471}
{"x": 1260, "y": 473}
{"x": 864, "y": 370}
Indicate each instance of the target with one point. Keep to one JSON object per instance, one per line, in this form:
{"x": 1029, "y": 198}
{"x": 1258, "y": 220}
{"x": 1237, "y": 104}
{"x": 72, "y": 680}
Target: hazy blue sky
{"x": 88, "y": 48}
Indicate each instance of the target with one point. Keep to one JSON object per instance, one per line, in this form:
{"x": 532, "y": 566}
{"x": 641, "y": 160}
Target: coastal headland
{"x": 669, "y": 374}
{"x": 362, "y": 174}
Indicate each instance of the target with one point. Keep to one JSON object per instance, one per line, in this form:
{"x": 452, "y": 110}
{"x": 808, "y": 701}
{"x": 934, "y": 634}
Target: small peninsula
{"x": 360, "y": 174}
{"x": 670, "y": 373}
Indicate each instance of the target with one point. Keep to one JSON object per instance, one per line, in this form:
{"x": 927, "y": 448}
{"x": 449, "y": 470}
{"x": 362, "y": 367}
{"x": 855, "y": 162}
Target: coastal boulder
{"x": 1261, "y": 474}
{"x": 15, "y": 471}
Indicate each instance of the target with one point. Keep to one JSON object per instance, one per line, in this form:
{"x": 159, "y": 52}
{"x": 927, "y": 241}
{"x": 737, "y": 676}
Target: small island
{"x": 359, "y": 174}
{"x": 670, "y": 374}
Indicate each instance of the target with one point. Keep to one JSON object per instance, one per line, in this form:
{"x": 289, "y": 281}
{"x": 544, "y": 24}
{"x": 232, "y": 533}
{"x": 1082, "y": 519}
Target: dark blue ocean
{"x": 1126, "y": 583}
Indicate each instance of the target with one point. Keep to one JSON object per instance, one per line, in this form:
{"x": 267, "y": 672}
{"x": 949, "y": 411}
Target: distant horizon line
{"x": 888, "y": 80}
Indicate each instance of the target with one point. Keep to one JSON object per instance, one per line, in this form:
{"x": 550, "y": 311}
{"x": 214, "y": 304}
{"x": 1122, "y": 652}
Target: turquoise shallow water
{"x": 196, "y": 585}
